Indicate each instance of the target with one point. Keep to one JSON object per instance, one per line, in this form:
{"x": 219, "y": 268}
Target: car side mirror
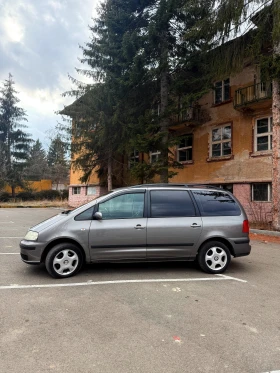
{"x": 97, "y": 216}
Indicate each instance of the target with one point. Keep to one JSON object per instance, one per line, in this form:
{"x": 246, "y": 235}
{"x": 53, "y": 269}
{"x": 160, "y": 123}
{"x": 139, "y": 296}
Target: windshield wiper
{"x": 66, "y": 212}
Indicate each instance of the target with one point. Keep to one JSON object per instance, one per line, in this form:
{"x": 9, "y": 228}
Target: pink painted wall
{"x": 76, "y": 200}
{"x": 256, "y": 211}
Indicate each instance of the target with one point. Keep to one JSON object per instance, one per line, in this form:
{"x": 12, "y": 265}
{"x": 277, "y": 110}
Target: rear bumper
{"x": 240, "y": 246}
{"x": 31, "y": 251}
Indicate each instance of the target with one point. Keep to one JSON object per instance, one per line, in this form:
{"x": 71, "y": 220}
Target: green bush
{"x": 26, "y": 196}
{"x": 48, "y": 194}
{"x": 4, "y": 196}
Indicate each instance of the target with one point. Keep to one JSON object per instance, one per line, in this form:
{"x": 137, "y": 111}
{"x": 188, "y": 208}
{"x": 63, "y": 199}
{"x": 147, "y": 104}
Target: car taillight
{"x": 245, "y": 228}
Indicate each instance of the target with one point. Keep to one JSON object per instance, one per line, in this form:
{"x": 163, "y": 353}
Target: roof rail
{"x": 172, "y": 185}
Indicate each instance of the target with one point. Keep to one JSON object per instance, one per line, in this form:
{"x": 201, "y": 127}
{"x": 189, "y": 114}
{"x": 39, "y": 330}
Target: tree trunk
{"x": 13, "y": 191}
{"x": 164, "y": 122}
{"x": 109, "y": 175}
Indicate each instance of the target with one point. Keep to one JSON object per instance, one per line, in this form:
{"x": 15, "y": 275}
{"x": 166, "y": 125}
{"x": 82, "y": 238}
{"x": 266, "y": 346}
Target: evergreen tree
{"x": 102, "y": 105}
{"x": 139, "y": 58}
{"x": 173, "y": 63}
{"x": 57, "y": 162}
{"x": 14, "y": 140}
{"x": 37, "y": 167}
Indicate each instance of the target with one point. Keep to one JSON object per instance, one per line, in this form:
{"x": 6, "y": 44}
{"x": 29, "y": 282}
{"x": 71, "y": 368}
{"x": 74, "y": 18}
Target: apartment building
{"x": 226, "y": 140}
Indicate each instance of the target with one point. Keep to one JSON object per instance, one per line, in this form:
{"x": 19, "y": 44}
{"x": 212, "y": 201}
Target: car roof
{"x": 172, "y": 185}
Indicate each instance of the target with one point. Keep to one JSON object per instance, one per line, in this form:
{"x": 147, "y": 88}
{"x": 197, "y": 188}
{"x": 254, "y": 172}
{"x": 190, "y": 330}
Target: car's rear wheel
{"x": 64, "y": 260}
{"x": 214, "y": 257}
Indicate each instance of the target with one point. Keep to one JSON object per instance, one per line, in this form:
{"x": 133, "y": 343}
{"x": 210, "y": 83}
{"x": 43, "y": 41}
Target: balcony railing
{"x": 189, "y": 114}
{"x": 253, "y": 93}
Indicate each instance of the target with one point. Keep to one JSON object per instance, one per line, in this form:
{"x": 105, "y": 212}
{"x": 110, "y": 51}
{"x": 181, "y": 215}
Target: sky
{"x": 39, "y": 46}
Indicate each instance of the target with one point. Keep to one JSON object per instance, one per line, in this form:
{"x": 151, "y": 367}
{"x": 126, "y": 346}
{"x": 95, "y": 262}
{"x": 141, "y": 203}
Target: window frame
{"x": 122, "y": 194}
{"x": 269, "y": 192}
{"x": 191, "y": 199}
{"x": 185, "y": 148}
{"x": 134, "y": 158}
{"x": 91, "y": 194}
{"x": 236, "y": 211}
{"x": 268, "y": 134}
{"x": 154, "y": 153}
{"x": 221, "y": 141}
{"x": 223, "y": 85}
{"x": 77, "y": 188}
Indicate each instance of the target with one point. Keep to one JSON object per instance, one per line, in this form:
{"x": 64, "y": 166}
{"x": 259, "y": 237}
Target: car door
{"x": 174, "y": 226}
{"x": 121, "y": 234}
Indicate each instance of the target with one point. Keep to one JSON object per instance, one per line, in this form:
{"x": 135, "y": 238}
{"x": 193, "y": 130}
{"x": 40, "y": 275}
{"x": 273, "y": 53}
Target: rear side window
{"x": 212, "y": 203}
{"x": 171, "y": 203}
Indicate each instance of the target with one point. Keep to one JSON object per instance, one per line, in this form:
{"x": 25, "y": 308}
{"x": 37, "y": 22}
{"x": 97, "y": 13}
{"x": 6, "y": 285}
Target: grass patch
{"x": 44, "y": 203}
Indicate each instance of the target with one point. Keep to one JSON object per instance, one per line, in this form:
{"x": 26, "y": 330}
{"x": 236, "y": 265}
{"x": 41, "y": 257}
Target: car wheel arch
{"x": 219, "y": 239}
{"x": 59, "y": 241}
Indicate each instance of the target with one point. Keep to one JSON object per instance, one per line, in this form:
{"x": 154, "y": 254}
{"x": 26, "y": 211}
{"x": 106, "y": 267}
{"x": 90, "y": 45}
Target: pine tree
{"x": 103, "y": 105}
{"x": 37, "y": 167}
{"x": 139, "y": 58}
{"x": 14, "y": 140}
{"x": 172, "y": 62}
{"x": 57, "y": 162}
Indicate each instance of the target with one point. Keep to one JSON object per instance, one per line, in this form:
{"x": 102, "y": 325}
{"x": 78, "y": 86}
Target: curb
{"x": 265, "y": 233}
{"x": 32, "y": 207}
{"x": 24, "y": 207}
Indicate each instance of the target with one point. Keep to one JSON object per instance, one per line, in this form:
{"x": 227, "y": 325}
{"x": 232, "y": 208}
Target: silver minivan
{"x": 149, "y": 222}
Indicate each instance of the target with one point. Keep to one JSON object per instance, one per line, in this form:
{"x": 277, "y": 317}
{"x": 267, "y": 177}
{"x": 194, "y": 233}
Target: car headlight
{"x": 31, "y": 236}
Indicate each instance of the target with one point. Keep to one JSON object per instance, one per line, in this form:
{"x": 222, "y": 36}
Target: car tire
{"x": 214, "y": 257}
{"x": 64, "y": 260}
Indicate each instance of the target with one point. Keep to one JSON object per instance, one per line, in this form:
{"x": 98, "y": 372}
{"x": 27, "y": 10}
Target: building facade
{"x": 231, "y": 144}
{"x": 225, "y": 139}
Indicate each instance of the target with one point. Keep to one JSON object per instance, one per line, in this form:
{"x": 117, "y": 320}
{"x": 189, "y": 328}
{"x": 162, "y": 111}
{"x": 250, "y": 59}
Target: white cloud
{"x": 13, "y": 30}
{"x": 39, "y": 46}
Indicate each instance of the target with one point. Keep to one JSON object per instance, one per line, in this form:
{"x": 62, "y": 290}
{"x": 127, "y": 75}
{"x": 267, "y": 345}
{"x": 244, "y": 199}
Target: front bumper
{"x": 31, "y": 251}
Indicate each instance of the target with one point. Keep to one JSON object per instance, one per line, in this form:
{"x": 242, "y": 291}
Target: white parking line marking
{"x": 7, "y": 222}
{"x": 232, "y": 278}
{"x": 273, "y": 371}
{"x": 9, "y": 253}
{"x": 88, "y": 283}
{"x": 11, "y": 237}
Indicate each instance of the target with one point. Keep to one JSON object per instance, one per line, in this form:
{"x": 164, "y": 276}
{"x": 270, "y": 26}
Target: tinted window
{"x": 125, "y": 206}
{"x": 86, "y": 215}
{"x": 171, "y": 203}
{"x": 212, "y": 203}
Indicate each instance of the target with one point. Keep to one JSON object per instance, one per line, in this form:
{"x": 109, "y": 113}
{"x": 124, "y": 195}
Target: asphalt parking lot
{"x": 118, "y": 318}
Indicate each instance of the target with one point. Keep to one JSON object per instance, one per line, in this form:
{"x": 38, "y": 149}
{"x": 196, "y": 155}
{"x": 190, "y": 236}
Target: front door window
{"x": 125, "y": 206}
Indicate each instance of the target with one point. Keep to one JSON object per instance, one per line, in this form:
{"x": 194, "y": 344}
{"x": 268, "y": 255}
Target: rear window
{"x": 216, "y": 203}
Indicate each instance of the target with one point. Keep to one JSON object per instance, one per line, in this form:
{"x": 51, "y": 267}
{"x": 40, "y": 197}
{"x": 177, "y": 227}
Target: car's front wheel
{"x": 64, "y": 260}
{"x": 214, "y": 257}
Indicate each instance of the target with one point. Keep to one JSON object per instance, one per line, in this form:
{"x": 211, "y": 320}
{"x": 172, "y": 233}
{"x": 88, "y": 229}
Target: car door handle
{"x": 139, "y": 226}
{"x": 195, "y": 225}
